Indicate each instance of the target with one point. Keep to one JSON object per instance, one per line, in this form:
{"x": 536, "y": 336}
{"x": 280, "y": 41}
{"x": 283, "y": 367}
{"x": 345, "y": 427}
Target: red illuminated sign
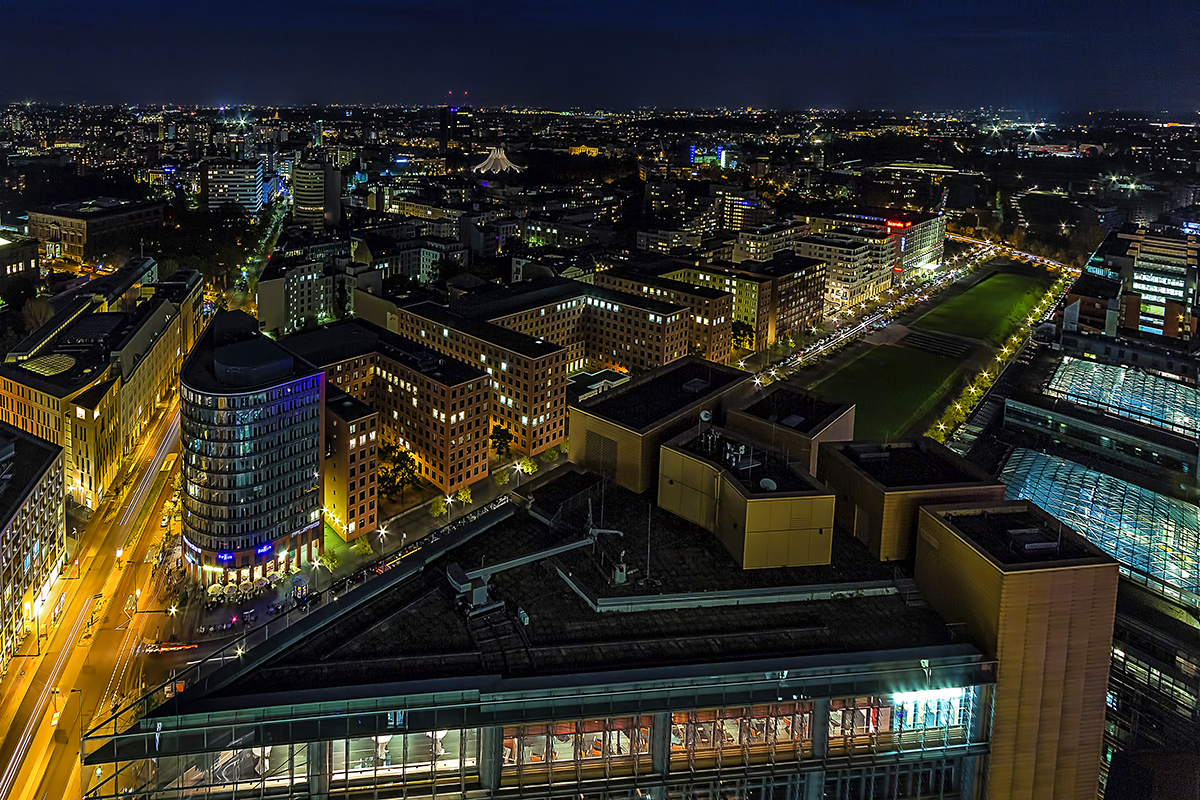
{"x": 895, "y": 223}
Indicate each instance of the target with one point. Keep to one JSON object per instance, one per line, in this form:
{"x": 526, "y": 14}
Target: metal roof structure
{"x": 496, "y": 161}
{"x": 1155, "y": 535}
{"x": 1129, "y": 393}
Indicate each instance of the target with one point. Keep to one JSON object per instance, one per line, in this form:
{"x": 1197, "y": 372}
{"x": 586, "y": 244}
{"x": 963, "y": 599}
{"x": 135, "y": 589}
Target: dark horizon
{"x": 1044, "y": 58}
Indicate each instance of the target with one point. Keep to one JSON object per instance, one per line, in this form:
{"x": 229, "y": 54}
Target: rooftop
{"x": 233, "y": 356}
{"x": 415, "y": 631}
{"x": 1019, "y": 534}
{"x": 759, "y": 470}
{"x": 669, "y": 284}
{"x": 95, "y": 207}
{"x": 515, "y": 341}
{"x": 352, "y": 338}
{"x": 347, "y": 407}
{"x": 1090, "y": 285}
{"x": 909, "y": 465}
{"x": 493, "y": 302}
{"x": 664, "y": 392}
{"x": 1128, "y": 392}
{"x": 801, "y": 411}
{"x": 1146, "y": 531}
{"x": 24, "y": 458}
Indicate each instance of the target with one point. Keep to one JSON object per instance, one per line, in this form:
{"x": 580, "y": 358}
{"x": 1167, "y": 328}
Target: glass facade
{"x": 1127, "y": 393}
{"x": 1156, "y": 535}
{"x": 901, "y": 745}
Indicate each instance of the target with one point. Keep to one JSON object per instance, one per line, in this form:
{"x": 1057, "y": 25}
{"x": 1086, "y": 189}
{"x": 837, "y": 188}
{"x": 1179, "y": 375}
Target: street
{"x": 89, "y": 660}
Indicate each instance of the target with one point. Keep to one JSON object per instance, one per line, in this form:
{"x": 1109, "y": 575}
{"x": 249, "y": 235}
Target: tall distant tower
{"x": 316, "y": 195}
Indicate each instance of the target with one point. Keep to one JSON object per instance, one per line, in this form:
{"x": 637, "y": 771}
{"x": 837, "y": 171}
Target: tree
{"x": 463, "y": 495}
{"x": 397, "y": 470}
{"x": 527, "y": 465}
{"x": 362, "y": 546}
{"x": 501, "y": 440}
{"x": 36, "y": 312}
{"x": 743, "y": 335}
{"x": 438, "y": 507}
{"x": 18, "y": 289}
{"x": 565, "y": 447}
{"x": 502, "y": 477}
{"x": 550, "y": 456}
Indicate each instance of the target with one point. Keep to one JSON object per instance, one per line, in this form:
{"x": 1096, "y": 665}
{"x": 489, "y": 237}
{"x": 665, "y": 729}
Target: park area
{"x": 991, "y": 309}
{"x": 892, "y": 387}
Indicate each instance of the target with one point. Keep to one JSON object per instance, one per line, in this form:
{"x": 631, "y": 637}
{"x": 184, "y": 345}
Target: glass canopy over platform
{"x": 1129, "y": 393}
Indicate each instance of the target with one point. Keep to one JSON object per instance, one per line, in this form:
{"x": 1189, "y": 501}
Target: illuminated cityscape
{"x": 436, "y": 418}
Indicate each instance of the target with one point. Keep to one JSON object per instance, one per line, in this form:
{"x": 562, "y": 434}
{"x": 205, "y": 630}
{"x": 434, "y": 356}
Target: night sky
{"x": 1042, "y": 55}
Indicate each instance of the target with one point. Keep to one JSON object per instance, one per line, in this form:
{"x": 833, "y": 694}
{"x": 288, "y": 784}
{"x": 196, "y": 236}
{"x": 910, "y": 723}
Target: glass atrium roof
{"x": 1128, "y": 393}
{"x": 1150, "y": 532}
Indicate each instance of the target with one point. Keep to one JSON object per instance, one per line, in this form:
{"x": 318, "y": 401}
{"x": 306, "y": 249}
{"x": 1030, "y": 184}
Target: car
{"x": 166, "y": 520}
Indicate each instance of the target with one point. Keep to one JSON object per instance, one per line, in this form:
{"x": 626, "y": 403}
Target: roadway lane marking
{"x": 14, "y": 766}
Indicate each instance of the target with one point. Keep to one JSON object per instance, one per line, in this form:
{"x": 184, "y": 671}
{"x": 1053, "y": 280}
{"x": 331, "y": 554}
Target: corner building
{"x": 253, "y": 445}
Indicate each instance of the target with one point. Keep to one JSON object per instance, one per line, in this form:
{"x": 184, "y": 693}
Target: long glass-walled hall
{"x": 904, "y": 744}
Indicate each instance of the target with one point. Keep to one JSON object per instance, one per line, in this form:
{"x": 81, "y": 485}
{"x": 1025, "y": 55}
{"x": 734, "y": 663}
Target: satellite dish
{"x": 706, "y": 416}
{"x": 768, "y": 484}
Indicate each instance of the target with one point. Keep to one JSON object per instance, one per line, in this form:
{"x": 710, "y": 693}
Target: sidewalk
{"x": 395, "y": 534}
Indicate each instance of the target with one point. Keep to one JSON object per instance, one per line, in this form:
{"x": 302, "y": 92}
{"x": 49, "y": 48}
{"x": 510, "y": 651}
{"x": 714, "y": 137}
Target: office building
{"x": 522, "y": 656}
{"x": 81, "y": 231}
{"x": 18, "y": 257}
{"x": 618, "y": 433}
{"x": 434, "y": 406}
{"x": 770, "y": 300}
{"x": 794, "y": 423}
{"x": 294, "y": 294}
{"x": 350, "y": 474}
{"x": 32, "y": 531}
{"x": 762, "y": 242}
{"x": 1158, "y": 272}
{"x": 92, "y": 380}
{"x": 857, "y": 271}
{"x": 237, "y": 183}
{"x": 1041, "y": 600}
{"x": 766, "y": 512}
{"x": 529, "y": 336}
{"x": 252, "y": 451}
{"x": 711, "y": 309}
{"x": 316, "y": 195}
{"x": 881, "y": 487}
{"x": 917, "y": 239}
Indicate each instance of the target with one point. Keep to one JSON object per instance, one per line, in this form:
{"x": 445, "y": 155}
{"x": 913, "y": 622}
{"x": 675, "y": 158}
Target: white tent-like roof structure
{"x": 496, "y": 162}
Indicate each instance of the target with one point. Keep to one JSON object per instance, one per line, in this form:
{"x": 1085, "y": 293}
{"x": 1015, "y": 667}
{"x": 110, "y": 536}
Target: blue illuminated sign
{"x": 263, "y": 548}
{"x": 225, "y": 556}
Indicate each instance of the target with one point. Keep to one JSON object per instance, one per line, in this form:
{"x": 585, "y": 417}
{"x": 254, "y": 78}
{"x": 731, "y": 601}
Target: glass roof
{"x": 1150, "y": 532}
{"x": 1128, "y": 393}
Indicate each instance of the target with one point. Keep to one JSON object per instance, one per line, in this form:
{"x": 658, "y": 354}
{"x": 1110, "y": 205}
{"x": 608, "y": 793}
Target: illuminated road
{"x": 90, "y": 658}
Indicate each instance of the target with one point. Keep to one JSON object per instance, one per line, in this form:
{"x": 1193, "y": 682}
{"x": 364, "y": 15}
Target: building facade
{"x": 32, "y": 535}
{"x": 237, "y": 183}
{"x": 252, "y": 450}
{"x": 80, "y": 231}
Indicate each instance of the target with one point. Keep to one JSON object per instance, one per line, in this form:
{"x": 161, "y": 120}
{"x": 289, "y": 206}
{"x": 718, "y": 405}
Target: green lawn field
{"x": 892, "y": 387}
{"x": 990, "y": 310}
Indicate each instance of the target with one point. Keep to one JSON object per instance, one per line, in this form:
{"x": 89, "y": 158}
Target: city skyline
{"x": 863, "y": 54}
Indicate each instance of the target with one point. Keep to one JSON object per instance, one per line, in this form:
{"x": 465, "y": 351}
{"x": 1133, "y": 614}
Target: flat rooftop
{"x": 800, "y": 411}
{"x": 233, "y": 347}
{"x": 352, "y": 338}
{"x": 95, "y": 207}
{"x": 669, "y": 284}
{"x": 22, "y": 467}
{"x": 758, "y": 469}
{"x": 415, "y": 631}
{"x": 515, "y": 341}
{"x": 663, "y": 393}
{"x": 493, "y": 302}
{"x": 1017, "y": 534}
{"x": 346, "y": 406}
{"x": 907, "y": 465}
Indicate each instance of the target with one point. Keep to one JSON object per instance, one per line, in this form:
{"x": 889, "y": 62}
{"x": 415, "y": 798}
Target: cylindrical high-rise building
{"x": 316, "y": 195}
{"x": 252, "y": 445}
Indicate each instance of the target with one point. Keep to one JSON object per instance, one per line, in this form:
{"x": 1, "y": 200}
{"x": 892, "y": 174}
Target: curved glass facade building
{"x": 252, "y": 449}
